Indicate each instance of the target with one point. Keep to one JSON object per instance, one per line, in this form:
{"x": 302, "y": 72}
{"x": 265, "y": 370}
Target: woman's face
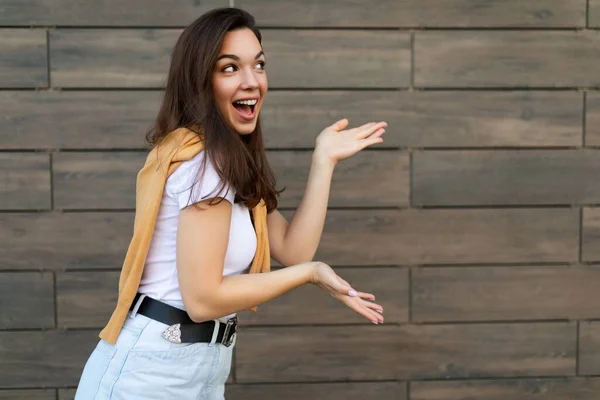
{"x": 239, "y": 80}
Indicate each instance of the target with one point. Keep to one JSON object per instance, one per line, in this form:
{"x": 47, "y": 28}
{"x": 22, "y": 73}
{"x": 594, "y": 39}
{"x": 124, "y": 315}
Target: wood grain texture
{"x": 75, "y": 120}
{"x": 590, "y": 242}
{"x": 332, "y": 391}
{"x": 504, "y": 293}
{"x": 23, "y": 58}
{"x": 449, "y": 236}
{"x": 62, "y": 241}
{"x": 310, "y": 305}
{"x": 370, "y": 178}
{"x": 86, "y": 299}
{"x": 294, "y": 118}
{"x": 589, "y": 348}
{"x": 592, "y": 119}
{"x": 502, "y": 389}
{"x": 594, "y": 13}
{"x": 28, "y": 394}
{"x": 27, "y": 300}
{"x": 417, "y": 13}
{"x": 96, "y": 180}
{"x": 24, "y": 181}
{"x": 104, "y": 12}
{"x": 506, "y": 59}
{"x": 337, "y": 59}
{"x": 52, "y": 358}
{"x": 453, "y": 178}
{"x": 102, "y": 58}
{"x": 66, "y": 394}
{"x": 304, "y": 354}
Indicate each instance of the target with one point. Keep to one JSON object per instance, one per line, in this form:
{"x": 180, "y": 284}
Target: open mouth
{"x": 246, "y": 108}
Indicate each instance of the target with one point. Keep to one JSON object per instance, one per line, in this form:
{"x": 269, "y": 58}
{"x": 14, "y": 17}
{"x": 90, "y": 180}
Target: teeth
{"x": 247, "y": 102}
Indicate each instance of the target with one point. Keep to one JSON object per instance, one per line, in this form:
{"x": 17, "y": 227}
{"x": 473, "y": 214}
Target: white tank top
{"x": 159, "y": 279}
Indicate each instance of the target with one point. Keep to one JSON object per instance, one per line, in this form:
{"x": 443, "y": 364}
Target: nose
{"x": 249, "y": 80}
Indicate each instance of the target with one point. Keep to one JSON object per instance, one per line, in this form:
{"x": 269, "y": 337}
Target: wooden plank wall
{"x": 475, "y": 223}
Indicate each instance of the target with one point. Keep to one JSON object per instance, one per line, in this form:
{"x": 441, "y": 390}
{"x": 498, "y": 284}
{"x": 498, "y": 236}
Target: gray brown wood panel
{"x": 452, "y": 178}
{"x": 417, "y": 13}
{"x": 503, "y": 389}
{"x": 104, "y": 12}
{"x": 27, "y": 300}
{"x": 64, "y": 240}
{"x": 103, "y": 58}
{"x": 449, "y": 236}
{"x": 331, "y": 391}
{"x": 75, "y": 120}
{"x": 337, "y": 59}
{"x": 23, "y": 58}
{"x": 371, "y": 178}
{"x": 25, "y": 181}
{"x": 52, "y": 358}
{"x": 589, "y": 348}
{"x": 81, "y": 180}
{"x": 85, "y": 299}
{"x": 66, "y": 394}
{"x": 506, "y": 59}
{"x": 429, "y": 119}
{"x": 304, "y": 354}
{"x": 36, "y": 394}
{"x": 389, "y": 285}
{"x": 504, "y": 293}
{"x": 592, "y": 119}
{"x": 590, "y": 241}
{"x": 594, "y": 13}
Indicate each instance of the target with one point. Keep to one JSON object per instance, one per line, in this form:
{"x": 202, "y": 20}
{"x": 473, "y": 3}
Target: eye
{"x": 261, "y": 65}
{"x": 229, "y": 68}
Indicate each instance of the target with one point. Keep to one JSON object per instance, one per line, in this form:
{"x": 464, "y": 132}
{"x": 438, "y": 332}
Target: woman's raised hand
{"x": 325, "y": 277}
{"x": 336, "y": 143}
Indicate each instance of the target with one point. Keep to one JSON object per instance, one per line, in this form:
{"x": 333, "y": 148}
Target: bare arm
{"x": 202, "y": 240}
{"x": 297, "y": 241}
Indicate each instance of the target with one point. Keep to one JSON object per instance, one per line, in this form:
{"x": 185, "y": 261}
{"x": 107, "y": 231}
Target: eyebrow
{"x": 234, "y": 57}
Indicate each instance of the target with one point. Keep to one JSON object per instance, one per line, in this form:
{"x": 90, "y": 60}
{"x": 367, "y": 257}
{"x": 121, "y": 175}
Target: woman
{"x": 206, "y": 224}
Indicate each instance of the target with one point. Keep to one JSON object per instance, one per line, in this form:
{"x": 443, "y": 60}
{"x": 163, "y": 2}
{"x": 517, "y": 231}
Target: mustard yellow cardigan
{"x": 179, "y": 145}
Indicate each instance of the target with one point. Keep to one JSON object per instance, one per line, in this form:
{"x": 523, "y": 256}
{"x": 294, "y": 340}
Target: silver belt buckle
{"x": 173, "y": 333}
{"x": 227, "y": 341}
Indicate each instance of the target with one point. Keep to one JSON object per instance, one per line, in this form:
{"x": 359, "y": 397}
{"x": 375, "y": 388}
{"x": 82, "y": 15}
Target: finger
{"x": 369, "y": 142}
{"x": 364, "y": 311}
{"x": 369, "y": 129}
{"x": 373, "y": 306}
{"x": 339, "y": 125}
{"x": 367, "y": 296}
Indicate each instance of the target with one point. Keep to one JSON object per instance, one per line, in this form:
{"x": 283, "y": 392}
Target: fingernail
{"x": 352, "y": 293}
{"x": 375, "y": 322}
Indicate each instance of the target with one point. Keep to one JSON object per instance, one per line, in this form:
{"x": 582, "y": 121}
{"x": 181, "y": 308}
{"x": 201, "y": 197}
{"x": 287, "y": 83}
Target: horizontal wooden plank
{"x": 337, "y": 59}
{"x": 104, "y": 12}
{"x": 594, "y": 13}
{"x": 589, "y": 348}
{"x": 417, "y": 13}
{"x": 428, "y": 119}
{"x": 590, "y": 242}
{"x": 504, "y": 293}
{"x": 452, "y": 178}
{"x": 73, "y": 120}
{"x": 23, "y": 58}
{"x": 24, "y": 181}
{"x": 592, "y": 119}
{"x": 52, "y": 358}
{"x": 502, "y": 389}
{"x": 449, "y": 236}
{"x": 62, "y": 241}
{"x": 304, "y": 354}
{"x": 492, "y": 59}
{"x": 110, "y": 58}
{"x": 96, "y": 180}
{"x": 368, "y": 179}
{"x": 66, "y": 394}
{"x": 27, "y": 300}
{"x": 333, "y": 391}
{"x": 86, "y": 299}
{"x": 389, "y": 285}
{"x": 28, "y": 394}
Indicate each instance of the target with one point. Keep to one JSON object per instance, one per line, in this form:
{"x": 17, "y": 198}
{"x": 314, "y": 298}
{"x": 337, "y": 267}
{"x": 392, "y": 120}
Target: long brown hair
{"x": 188, "y": 102}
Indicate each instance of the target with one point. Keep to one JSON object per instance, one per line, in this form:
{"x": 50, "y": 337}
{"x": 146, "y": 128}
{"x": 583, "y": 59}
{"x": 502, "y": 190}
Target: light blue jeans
{"x": 144, "y": 365}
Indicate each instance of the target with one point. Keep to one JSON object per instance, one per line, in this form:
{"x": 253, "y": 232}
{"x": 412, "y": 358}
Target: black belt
{"x": 182, "y": 329}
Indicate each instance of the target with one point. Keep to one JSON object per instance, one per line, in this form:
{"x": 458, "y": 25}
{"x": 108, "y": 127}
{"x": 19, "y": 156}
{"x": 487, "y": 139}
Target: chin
{"x": 245, "y": 130}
